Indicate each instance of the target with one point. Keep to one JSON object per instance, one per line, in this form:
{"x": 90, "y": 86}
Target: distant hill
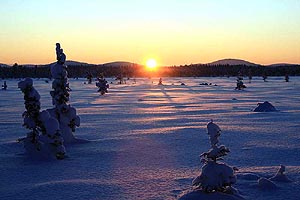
{"x": 232, "y": 62}
{"x": 281, "y": 65}
{"x": 72, "y": 62}
{"x": 118, "y": 63}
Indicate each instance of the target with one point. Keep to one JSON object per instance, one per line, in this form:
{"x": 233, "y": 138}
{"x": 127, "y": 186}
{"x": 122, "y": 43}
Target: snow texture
{"x": 149, "y": 149}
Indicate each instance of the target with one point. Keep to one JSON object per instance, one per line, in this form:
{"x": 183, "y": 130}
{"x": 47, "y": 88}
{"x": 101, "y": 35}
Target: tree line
{"x": 135, "y": 70}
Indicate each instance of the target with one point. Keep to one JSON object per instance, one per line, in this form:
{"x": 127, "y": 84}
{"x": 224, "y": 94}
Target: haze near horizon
{"x": 171, "y": 32}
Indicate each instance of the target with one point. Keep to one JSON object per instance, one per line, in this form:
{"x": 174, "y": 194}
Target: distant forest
{"x": 134, "y": 70}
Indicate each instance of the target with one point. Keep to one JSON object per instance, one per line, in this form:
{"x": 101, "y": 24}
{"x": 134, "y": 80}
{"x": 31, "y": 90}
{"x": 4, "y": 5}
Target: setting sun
{"x": 151, "y": 63}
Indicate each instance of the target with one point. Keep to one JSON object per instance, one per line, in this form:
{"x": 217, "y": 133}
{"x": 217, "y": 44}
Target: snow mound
{"x": 266, "y": 184}
{"x": 265, "y": 107}
{"x": 280, "y": 176}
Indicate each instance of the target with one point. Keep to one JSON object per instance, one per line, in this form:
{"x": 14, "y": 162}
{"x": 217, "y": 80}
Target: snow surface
{"x": 145, "y": 139}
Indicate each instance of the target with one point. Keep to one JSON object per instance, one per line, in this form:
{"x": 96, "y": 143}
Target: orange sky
{"x": 173, "y": 32}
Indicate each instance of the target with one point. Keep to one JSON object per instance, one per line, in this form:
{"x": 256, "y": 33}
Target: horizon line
{"x": 223, "y": 59}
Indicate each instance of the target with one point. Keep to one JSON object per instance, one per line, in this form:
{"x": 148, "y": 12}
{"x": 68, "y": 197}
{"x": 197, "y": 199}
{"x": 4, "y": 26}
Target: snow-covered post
{"x": 215, "y": 176}
{"x": 63, "y": 112}
{"x": 44, "y": 137}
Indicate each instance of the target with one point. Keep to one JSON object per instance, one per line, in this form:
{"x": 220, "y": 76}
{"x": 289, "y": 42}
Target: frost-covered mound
{"x": 265, "y": 107}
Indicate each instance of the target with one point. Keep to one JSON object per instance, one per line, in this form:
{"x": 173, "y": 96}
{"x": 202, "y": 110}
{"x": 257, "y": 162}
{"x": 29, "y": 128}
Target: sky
{"x": 174, "y": 32}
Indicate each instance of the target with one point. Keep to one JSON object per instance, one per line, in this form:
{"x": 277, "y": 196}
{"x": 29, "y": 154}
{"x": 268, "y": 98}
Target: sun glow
{"x": 151, "y": 63}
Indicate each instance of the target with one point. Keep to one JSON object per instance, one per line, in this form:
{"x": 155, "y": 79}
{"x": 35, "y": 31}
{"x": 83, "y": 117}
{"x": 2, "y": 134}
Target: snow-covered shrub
{"x": 239, "y": 83}
{"x": 216, "y": 178}
{"x": 102, "y": 85}
{"x": 44, "y": 138}
{"x": 63, "y": 112}
{"x": 51, "y": 128}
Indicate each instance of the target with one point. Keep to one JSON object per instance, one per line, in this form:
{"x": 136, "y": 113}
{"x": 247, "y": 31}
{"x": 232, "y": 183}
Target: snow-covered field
{"x": 145, "y": 139}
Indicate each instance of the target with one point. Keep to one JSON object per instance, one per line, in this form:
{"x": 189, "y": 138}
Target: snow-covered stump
{"x": 63, "y": 112}
{"x": 44, "y": 139}
{"x": 216, "y": 178}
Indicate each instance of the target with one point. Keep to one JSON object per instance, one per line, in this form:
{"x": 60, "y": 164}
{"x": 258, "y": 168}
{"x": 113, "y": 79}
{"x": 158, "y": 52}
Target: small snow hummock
{"x": 266, "y": 184}
{"x": 44, "y": 139}
{"x": 63, "y": 112}
{"x": 280, "y": 176}
{"x": 265, "y": 107}
{"x": 216, "y": 179}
